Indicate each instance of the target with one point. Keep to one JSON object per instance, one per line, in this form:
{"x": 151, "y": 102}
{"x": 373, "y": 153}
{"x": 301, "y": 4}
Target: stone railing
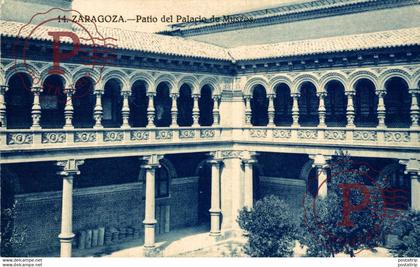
{"x": 17, "y": 138}
{"x": 335, "y": 136}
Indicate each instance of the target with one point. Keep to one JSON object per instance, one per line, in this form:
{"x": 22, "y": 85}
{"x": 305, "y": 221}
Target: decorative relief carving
{"x": 231, "y": 154}
{"x": 186, "y": 133}
{"x": 19, "y": 138}
{"x": 84, "y": 137}
{"x": 261, "y": 133}
{"x": 164, "y": 134}
{"x": 139, "y": 135}
{"x": 207, "y": 133}
{"x": 335, "y": 135}
{"x": 307, "y": 134}
{"x": 364, "y": 135}
{"x": 282, "y": 133}
{"x": 113, "y": 136}
{"x": 53, "y": 138}
{"x": 397, "y": 137}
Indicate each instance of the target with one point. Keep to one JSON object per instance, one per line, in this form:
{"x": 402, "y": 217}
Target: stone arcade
{"x": 186, "y": 132}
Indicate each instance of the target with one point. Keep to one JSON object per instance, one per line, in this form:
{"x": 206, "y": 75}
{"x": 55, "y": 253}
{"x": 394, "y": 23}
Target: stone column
{"x": 196, "y": 111}
{"x": 70, "y": 168}
{"x": 215, "y": 211}
{"x": 125, "y": 111}
{"x": 3, "y": 120}
{"x": 36, "y": 108}
{"x": 414, "y": 109}
{"x": 68, "y": 109}
{"x": 248, "y": 112}
{"x": 248, "y": 161}
{"x": 216, "y": 114}
{"x": 413, "y": 169}
{"x": 295, "y": 110}
{"x": 97, "y": 111}
{"x": 271, "y": 110}
{"x": 321, "y": 165}
{"x": 350, "y": 109}
{"x": 150, "y": 165}
{"x": 321, "y": 109}
{"x": 381, "y": 108}
{"x": 174, "y": 110}
{"x": 151, "y": 111}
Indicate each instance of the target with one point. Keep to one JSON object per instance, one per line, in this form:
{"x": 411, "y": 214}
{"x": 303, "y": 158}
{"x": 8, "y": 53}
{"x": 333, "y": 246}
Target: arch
{"x": 304, "y": 78}
{"x": 83, "y": 103}
{"x": 185, "y": 106}
{"x": 282, "y": 104}
{"x": 254, "y": 81}
{"x": 335, "y": 103}
{"x": 333, "y": 76}
{"x": 118, "y": 75}
{"x": 167, "y": 78}
{"x": 259, "y": 106}
{"x": 308, "y": 104}
{"x": 416, "y": 80}
{"x": 397, "y": 102}
{"x": 138, "y": 103}
{"x": 362, "y": 74}
{"x": 66, "y": 76}
{"x": 191, "y": 81}
{"x": 141, "y": 76}
{"x": 23, "y": 68}
{"x": 391, "y": 73}
{"x": 205, "y": 106}
{"x": 276, "y": 80}
{"x": 162, "y": 104}
{"x": 212, "y": 82}
{"x": 365, "y": 103}
{"x": 19, "y": 100}
{"x": 52, "y": 101}
{"x": 163, "y": 190}
{"x": 83, "y": 71}
{"x": 112, "y": 103}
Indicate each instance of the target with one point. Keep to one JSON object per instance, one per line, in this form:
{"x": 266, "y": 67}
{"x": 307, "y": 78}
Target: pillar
{"x": 295, "y": 110}
{"x": 70, "y": 168}
{"x": 414, "y": 109}
{"x": 151, "y": 111}
{"x": 196, "y": 111}
{"x": 216, "y": 114}
{"x": 174, "y": 110}
{"x": 215, "y": 211}
{"x": 125, "y": 111}
{"x": 36, "y": 109}
{"x": 249, "y": 161}
{"x": 321, "y": 109}
{"x": 381, "y": 108}
{"x": 3, "y": 89}
{"x": 150, "y": 165}
{"x": 413, "y": 170}
{"x": 248, "y": 112}
{"x": 350, "y": 109}
{"x": 97, "y": 111}
{"x": 321, "y": 165}
{"x": 271, "y": 110}
{"x": 68, "y": 109}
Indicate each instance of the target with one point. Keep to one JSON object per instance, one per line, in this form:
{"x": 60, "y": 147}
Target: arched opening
{"x": 83, "y": 103}
{"x": 204, "y": 193}
{"x": 112, "y": 104}
{"x": 138, "y": 103}
{"x": 283, "y": 105}
{"x": 185, "y": 104}
{"x": 259, "y": 106}
{"x": 335, "y": 104}
{"x": 366, "y": 103}
{"x": 19, "y": 99}
{"x": 397, "y": 103}
{"x": 162, "y": 103}
{"x": 53, "y": 101}
{"x": 205, "y": 104}
{"x": 308, "y": 105}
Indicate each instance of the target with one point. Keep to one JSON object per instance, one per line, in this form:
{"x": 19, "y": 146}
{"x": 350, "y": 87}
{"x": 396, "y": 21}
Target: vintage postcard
{"x": 137, "y": 131}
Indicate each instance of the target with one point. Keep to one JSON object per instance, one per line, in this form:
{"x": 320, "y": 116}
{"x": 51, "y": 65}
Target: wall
{"x": 290, "y": 190}
{"x": 372, "y": 21}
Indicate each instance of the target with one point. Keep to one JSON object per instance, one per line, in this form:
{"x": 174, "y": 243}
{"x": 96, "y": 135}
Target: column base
{"x": 66, "y": 244}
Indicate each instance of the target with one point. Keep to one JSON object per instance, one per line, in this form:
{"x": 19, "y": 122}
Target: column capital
{"x": 69, "y": 167}
{"x": 174, "y": 95}
{"x": 321, "y": 94}
{"x": 36, "y": 89}
{"x": 319, "y": 160}
{"x": 3, "y": 88}
{"x": 150, "y": 94}
{"x": 151, "y": 161}
{"x": 414, "y": 90}
{"x": 350, "y": 93}
{"x": 380, "y": 92}
{"x": 295, "y": 95}
{"x": 125, "y": 93}
{"x": 249, "y": 157}
{"x": 69, "y": 90}
{"x": 217, "y": 97}
{"x": 412, "y": 166}
{"x": 98, "y": 92}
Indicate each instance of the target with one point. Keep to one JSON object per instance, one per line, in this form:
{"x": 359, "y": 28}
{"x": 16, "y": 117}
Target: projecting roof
{"x": 385, "y": 39}
{"x": 124, "y": 39}
{"x": 177, "y": 46}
